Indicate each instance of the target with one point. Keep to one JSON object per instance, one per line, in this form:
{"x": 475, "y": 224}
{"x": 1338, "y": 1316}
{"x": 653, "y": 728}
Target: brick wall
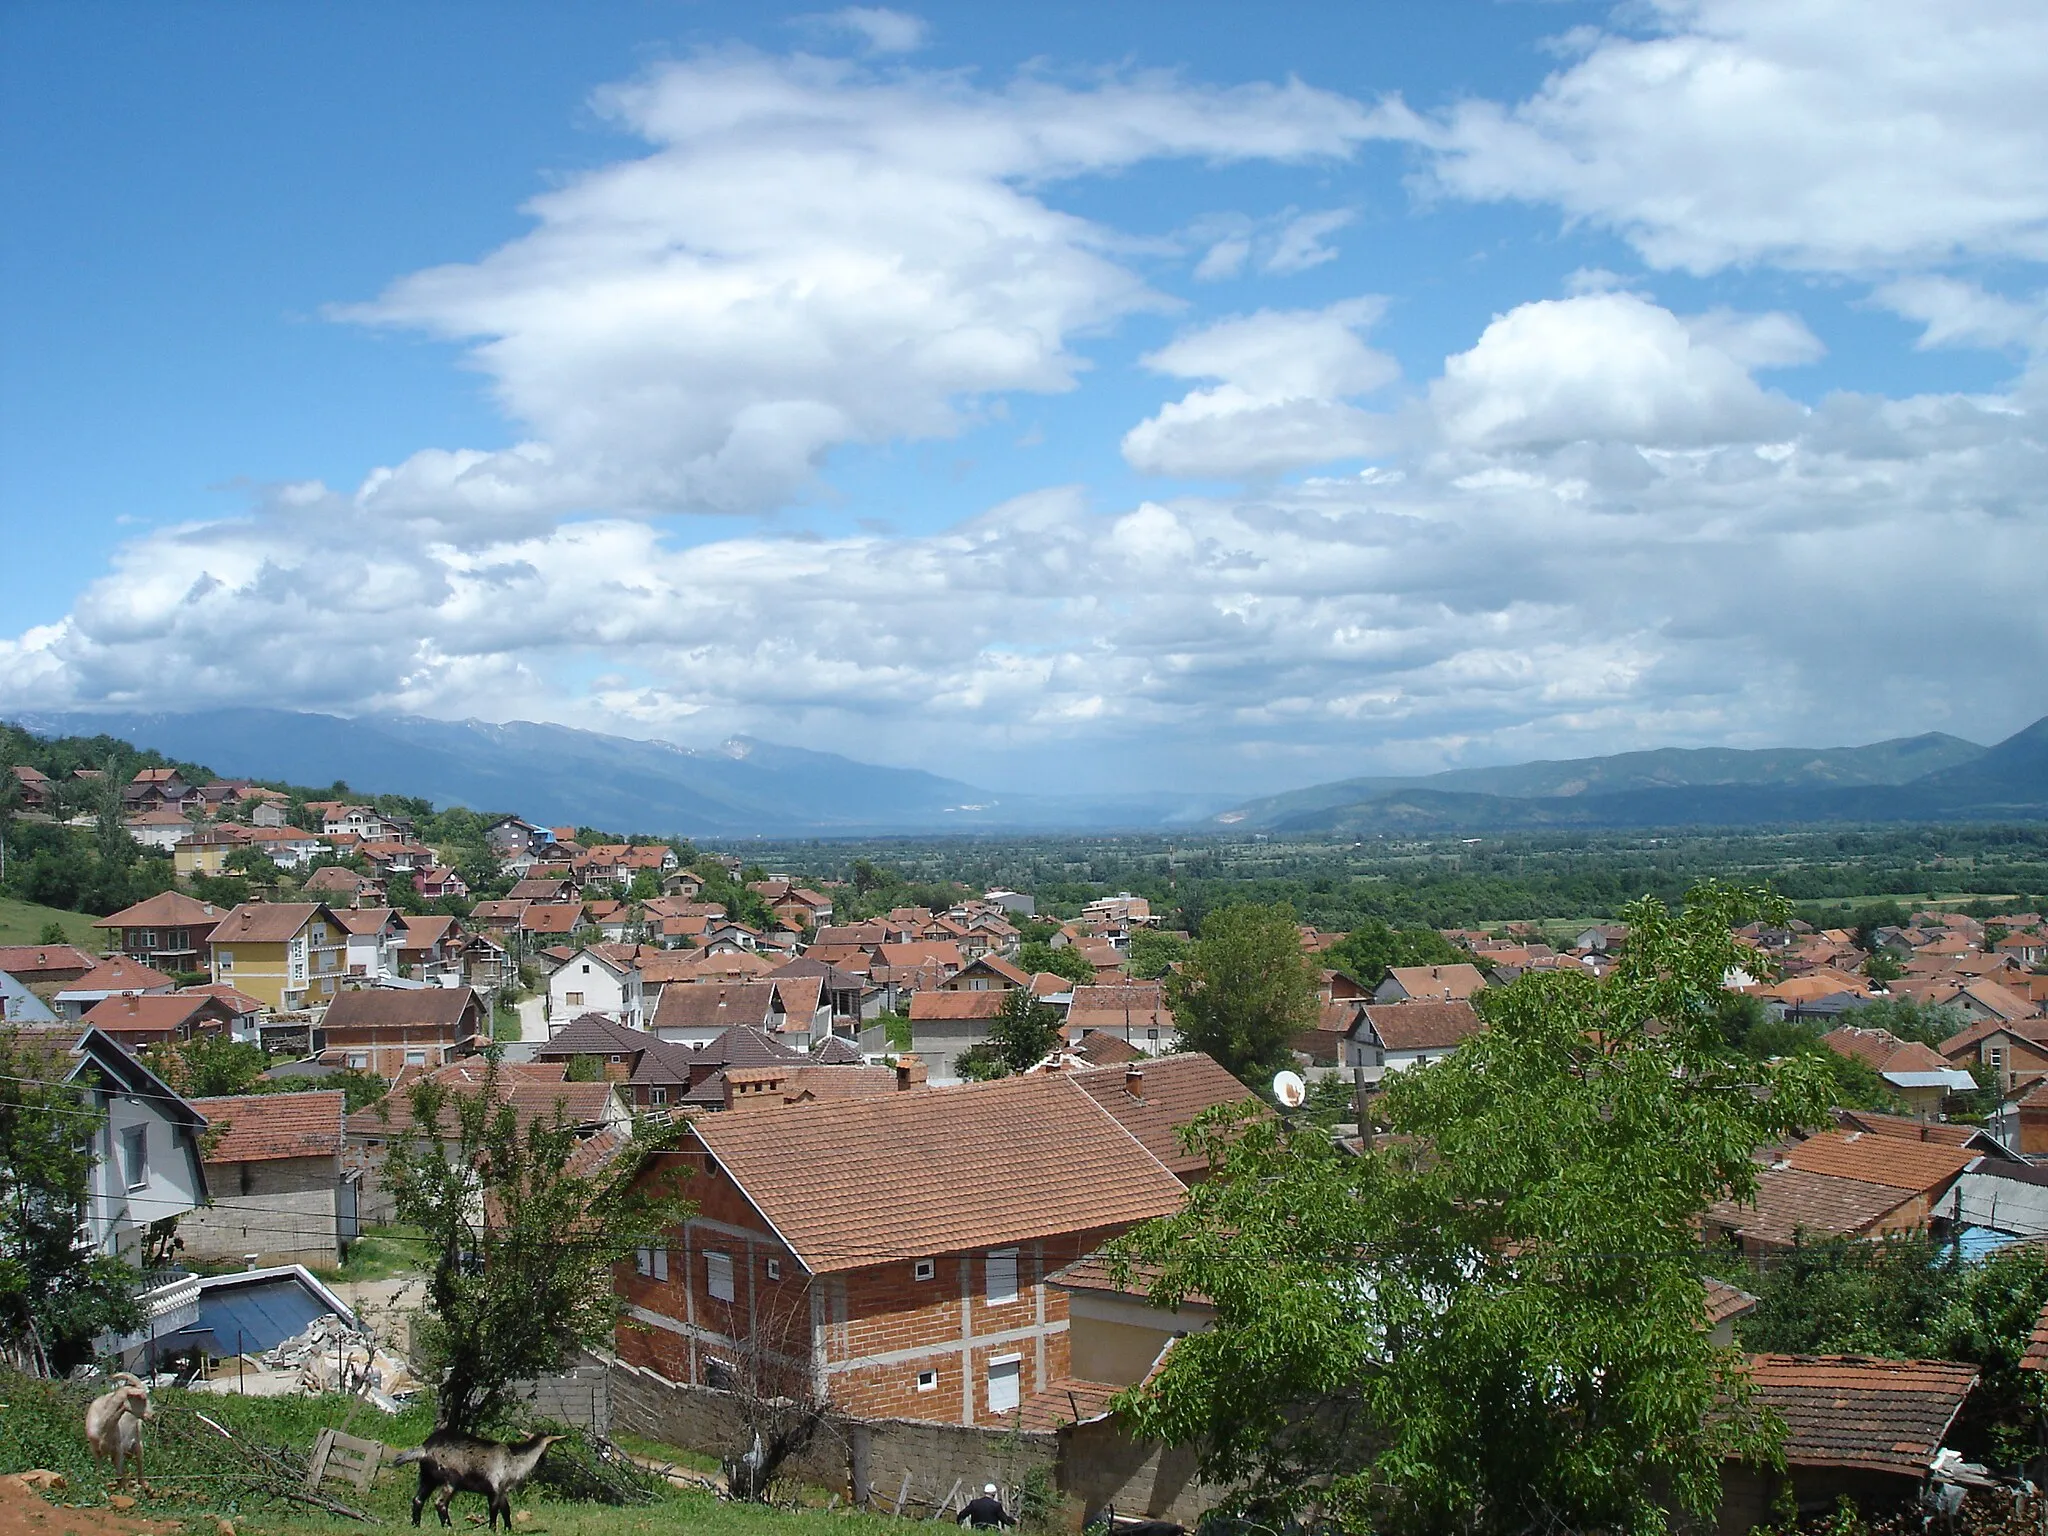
{"x": 869, "y": 1333}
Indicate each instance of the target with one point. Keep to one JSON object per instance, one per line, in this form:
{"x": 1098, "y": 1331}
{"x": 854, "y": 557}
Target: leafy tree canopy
{"x": 1153, "y": 954}
{"x": 1373, "y": 948}
{"x": 1245, "y": 989}
{"x": 1065, "y": 961}
{"x": 1493, "y": 1320}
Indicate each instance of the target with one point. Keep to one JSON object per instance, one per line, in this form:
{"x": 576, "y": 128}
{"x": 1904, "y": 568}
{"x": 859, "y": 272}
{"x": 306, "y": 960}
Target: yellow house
{"x": 206, "y": 851}
{"x": 289, "y": 954}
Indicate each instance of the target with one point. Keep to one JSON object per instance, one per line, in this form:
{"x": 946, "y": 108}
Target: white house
{"x": 375, "y": 936}
{"x": 591, "y": 982}
{"x": 1391, "y": 1037}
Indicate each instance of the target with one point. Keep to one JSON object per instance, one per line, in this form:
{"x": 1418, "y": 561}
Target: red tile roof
{"x": 1791, "y": 1202}
{"x": 118, "y": 973}
{"x": 166, "y": 909}
{"x": 1920, "y": 1167}
{"x": 1169, "y": 1093}
{"x": 1423, "y": 1026}
{"x": 1856, "y": 1412}
{"x": 943, "y": 1170}
{"x": 264, "y": 1127}
{"x": 934, "y": 1006}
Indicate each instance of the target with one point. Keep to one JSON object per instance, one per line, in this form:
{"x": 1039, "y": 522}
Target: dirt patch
{"x": 24, "y": 1512}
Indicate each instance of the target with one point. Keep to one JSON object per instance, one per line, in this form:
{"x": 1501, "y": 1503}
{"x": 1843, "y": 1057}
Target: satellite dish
{"x": 1290, "y": 1090}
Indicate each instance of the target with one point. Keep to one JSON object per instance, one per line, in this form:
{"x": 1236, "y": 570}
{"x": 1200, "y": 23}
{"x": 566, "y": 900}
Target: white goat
{"x": 113, "y": 1425}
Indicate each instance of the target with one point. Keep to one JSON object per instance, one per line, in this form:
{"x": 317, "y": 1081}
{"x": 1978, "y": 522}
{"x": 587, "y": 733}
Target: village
{"x": 888, "y": 1219}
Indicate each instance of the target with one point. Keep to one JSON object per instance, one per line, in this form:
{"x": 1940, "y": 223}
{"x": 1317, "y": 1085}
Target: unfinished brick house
{"x": 891, "y": 1253}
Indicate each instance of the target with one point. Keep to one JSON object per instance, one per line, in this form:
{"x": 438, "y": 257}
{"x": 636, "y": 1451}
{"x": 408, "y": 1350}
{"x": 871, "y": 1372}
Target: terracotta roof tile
{"x": 713, "y": 1005}
{"x": 944, "y": 1170}
{"x": 1920, "y": 1167}
{"x": 166, "y": 909}
{"x": 399, "y": 1008}
{"x": 119, "y": 974}
{"x": 935, "y": 1006}
{"x": 263, "y": 1127}
{"x": 1791, "y": 1202}
{"x": 1853, "y": 1411}
{"x": 267, "y": 922}
{"x": 1422, "y": 1026}
{"x": 1172, "y": 1091}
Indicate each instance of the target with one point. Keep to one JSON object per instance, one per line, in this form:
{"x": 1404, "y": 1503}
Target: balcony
{"x": 169, "y": 1299}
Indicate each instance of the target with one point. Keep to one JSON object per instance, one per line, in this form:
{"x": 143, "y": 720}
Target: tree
{"x": 524, "y": 1248}
{"x": 1153, "y": 954}
{"x": 53, "y": 933}
{"x": 110, "y": 822}
{"x": 1023, "y": 1034}
{"x": 55, "y": 1295}
{"x": 1245, "y": 989}
{"x": 212, "y": 1066}
{"x": 1370, "y": 950}
{"x": 1065, "y": 961}
{"x": 1493, "y": 1320}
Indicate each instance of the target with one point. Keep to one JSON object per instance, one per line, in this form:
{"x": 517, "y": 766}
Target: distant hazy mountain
{"x": 1932, "y": 777}
{"x": 561, "y": 776}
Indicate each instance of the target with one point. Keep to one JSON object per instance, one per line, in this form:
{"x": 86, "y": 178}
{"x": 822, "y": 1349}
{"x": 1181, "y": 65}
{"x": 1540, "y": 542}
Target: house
{"x": 2017, "y": 1052}
{"x": 289, "y": 954}
{"x": 1430, "y": 984}
{"x": 536, "y": 1092}
{"x": 650, "y": 1073}
{"x": 166, "y": 932}
{"x": 436, "y": 882}
{"x": 337, "y": 883}
{"x": 1917, "y": 1073}
{"x": 286, "y": 847}
{"x": 270, "y": 815}
{"x": 146, "y": 1164}
{"x": 686, "y": 883}
{"x": 1986, "y": 1001}
{"x": 848, "y": 997}
{"x": 945, "y": 1025}
{"x": 499, "y": 918}
{"x": 362, "y": 822}
{"x": 112, "y": 977}
{"x": 139, "y": 1019}
{"x": 383, "y": 1030}
{"x": 698, "y": 1013}
{"x": 427, "y": 949}
{"x": 1843, "y": 1183}
{"x": 593, "y": 982}
{"x": 162, "y": 829}
{"x": 37, "y": 792}
{"x": 35, "y": 964}
{"x": 374, "y": 937}
{"x": 798, "y": 906}
{"x": 156, "y": 789}
{"x": 509, "y": 835}
{"x": 207, "y": 851}
{"x": 989, "y": 973}
{"x": 900, "y": 1265}
{"x": 1134, "y": 1011}
{"x": 1153, "y": 1098}
{"x": 542, "y": 921}
{"x": 273, "y": 1170}
{"x": 19, "y": 1005}
{"x": 1392, "y": 1037}
{"x": 1856, "y": 1428}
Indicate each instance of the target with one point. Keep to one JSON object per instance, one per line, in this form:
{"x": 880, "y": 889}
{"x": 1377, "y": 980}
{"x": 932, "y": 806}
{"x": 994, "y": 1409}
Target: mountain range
{"x": 566, "y": 777}
{"x": 1914, "y": 778}
{"x": 746, "y": 787}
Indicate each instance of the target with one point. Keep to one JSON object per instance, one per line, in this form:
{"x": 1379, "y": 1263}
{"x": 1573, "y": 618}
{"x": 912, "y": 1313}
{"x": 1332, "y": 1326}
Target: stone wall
{"x": 283, "y": 1211}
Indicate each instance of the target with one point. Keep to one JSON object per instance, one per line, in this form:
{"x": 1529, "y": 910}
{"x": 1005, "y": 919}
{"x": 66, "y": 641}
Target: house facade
{"x": 592, "y": 982}
{"x": 288, "y": 954}
{"x": 901, "y": 1267}
{"x": 274, "y": 1175}
{"x": 386, "y": 1029}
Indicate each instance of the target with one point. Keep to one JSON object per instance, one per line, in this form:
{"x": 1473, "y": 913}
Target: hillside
{"x": 559, "y": 775}
{"x": 1920, "y": 778}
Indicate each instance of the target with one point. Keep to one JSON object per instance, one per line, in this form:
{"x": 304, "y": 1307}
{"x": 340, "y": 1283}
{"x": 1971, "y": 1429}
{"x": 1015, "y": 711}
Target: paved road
{"x": 533, "y": 1021}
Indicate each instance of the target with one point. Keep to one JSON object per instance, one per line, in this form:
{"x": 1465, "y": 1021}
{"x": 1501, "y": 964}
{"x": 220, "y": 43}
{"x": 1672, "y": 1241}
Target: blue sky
{"x": 1055, "y": 396}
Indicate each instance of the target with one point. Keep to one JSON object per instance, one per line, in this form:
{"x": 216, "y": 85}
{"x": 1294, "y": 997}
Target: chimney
{"x": 910, "y": 1072}
{"x": 1134, "y": 1081}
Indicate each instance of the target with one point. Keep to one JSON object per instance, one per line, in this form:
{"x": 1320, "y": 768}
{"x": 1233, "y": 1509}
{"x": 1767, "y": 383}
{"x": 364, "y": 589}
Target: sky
{"x": 1064, "y": 398}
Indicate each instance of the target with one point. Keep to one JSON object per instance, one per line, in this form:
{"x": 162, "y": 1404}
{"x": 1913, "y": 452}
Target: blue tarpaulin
{"x": 252, "y": 1315}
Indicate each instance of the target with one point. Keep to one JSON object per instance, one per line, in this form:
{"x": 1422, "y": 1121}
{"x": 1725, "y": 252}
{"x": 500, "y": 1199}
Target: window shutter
{"x": 718, "y": 1275}
{"x": 1002, "y": 1276}
{"x": 661, "y": 1263}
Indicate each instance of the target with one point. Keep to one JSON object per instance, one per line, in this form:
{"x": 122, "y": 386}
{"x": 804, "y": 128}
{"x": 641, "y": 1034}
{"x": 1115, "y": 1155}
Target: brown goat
{"x": 453, "y": 1463}
{"x": 113, "y": 1425}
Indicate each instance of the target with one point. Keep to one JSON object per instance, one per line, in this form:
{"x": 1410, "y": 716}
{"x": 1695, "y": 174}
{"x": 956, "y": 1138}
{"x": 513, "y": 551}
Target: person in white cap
{"x": 986, "y": 1513}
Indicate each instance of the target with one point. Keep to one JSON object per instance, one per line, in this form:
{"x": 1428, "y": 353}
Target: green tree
{"x": 110, "y": 821}
{"x": 1370, "y": 950}
{"x": 212, "y": 1066}
{"x": 1245, "y": 990}
{"x": 1492, "y": 1321}
{"x": 524, "y": 1249}
{"x": 1153, "y": 954}
{"x": 55, "y": 1295}
{"x": 1065, "y": 961}
{"x": 53, "y": 933}
{"x": 1023, "y": 1034}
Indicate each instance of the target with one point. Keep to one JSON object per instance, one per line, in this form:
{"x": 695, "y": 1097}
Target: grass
{"x": 381, "y": 1253}
{"x": 21, "y": 922}
{"x": 41, "y": 1425}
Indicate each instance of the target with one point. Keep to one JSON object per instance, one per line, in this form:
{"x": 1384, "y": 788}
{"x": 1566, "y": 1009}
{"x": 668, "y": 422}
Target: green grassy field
{"x": 193, "y": 1474}
{"x": 21, "y": 922}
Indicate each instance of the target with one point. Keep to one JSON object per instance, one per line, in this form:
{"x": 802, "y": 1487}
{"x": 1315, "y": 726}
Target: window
{"x": 135, "y": 1155}
{"x": 574, "y": 999}
{"x": 149, "y": 938}
{"x": 1002, "y": 1276}
{"x": 774, "y": 1268}
{"x": 224, "y": 958}
{"x": 415, "y": 1058}
{"x": 586, "y": 967}
{"x": 643, "y": 1261}
{"x": 924, "y": 1269}
{"x": 358, "y": 1060}
{"x": 718, "y": 1275}
{"x": 1004, "y": 1377}
{"x": 927, "y": 1381}
{"x": 657, "y": 1095}
{"x": 661, "y": 1264}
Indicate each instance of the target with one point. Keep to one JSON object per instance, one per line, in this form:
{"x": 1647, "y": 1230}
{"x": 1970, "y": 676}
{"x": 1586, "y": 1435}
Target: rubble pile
{"x": 332, "y": 1356}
